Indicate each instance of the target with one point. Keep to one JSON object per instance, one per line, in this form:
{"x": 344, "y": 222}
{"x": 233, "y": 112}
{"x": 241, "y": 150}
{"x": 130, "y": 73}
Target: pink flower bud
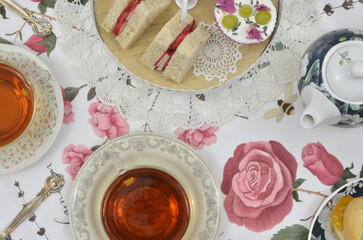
{"x": 322, "y": 164}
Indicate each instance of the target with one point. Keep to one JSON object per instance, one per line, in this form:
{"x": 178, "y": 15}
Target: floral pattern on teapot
{"x": 310, "y": 72}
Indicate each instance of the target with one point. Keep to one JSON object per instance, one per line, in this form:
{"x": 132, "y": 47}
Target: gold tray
{"x": 130, "y": 58}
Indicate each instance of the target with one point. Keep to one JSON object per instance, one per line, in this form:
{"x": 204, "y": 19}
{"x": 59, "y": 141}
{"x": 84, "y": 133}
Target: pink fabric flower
{"x": 227, "y": 6}
{"x": 322, "y": 164}
{"x": 262, "y": 7}
{"x": 197, "y": 138}
{"x": 106, "y": 121}
{"x": 258, "y": 183}
{"x": 75, "y": 156}
{"x": 33, "y": 44}
{"x": 68, "y": 114}
{"x": 253, "y": 33}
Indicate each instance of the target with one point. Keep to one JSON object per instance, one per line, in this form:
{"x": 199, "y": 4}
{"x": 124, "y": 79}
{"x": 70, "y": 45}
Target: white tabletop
{"x": 88, "y": 123}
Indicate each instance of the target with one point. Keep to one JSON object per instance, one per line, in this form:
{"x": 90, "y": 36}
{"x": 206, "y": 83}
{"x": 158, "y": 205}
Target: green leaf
{"x": 94, "y": 148}
{"x": 298, "y": 182}
{"x": 71, "y": 93}
{"x": 341, "y": 62}
{"x": 91, "y": 94}
{"x": 342, "y": 39}
{"x": 49, "y": 3}
{"x": 2, "y": 40}
{"x": 347, "y": 173}
{"x": 294, "y": 232}
{"x": 340, "y": 183}
{"x": 361, "y": 172}
{"x": 3, "y": 12}
{"x": 42, "y": 8}
{"x": 263, "y": 65}
{"x": 295, "y": 195}
{"x": 278, "y": 47}
{"x": 50, "y": 42}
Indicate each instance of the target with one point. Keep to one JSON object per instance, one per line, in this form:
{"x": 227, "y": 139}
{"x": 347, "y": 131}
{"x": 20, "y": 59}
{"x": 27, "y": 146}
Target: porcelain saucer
{"x": 47, "y": 121}
{"x": 138, "y": 151}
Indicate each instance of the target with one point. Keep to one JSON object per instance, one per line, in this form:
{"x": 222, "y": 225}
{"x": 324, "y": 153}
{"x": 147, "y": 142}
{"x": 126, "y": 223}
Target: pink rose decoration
{"x": 227, "y": 6}
{"x": 262, "y": 7}
{"x": 33, "y": 44}
{"x": 253, "y": 33}
{"x": 258, "y": 183}
{"x": 75, "y": 156}
{"x": 36, "y": 0}
{"x": 68, "y": 114}
{"x": 322, "y": 164}
{"x": 106, "y": 121}
{"x": 197, "y": 138}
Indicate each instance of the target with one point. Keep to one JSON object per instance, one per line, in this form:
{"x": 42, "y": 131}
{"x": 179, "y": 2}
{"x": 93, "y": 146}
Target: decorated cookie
{"x": 246, "y": 21}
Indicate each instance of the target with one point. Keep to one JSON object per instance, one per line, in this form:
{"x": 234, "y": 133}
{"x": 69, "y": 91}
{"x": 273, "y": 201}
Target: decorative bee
{"x": 285, "y": 106}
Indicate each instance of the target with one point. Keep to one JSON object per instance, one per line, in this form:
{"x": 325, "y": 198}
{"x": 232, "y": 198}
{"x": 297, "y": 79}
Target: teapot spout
{"x": 318, "y": 109}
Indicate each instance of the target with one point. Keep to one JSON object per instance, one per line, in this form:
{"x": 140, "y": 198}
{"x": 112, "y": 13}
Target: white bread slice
{"x": 163, "y": 39}
{"x": 110, "y": 21}
{"x": 141, "y": 18}
{"x": 184, "y": 57}
{"x": 353, "y": 220}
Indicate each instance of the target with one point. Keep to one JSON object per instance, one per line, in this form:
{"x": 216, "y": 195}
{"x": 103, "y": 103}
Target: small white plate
{"x": 138, "y": 151}
{"x": 319, "y": 227}
{"x": 44, "y": 128}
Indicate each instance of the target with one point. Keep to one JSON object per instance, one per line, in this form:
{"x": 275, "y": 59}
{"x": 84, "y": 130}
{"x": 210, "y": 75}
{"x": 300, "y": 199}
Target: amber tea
{"x": 16, "y": 104}
{"x": 145, "y": 203}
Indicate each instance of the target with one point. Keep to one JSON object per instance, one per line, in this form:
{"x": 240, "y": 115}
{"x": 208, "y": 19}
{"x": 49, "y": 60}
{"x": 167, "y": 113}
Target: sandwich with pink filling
{"x": 175, "y": 48}
{"x": 129, "y": 19}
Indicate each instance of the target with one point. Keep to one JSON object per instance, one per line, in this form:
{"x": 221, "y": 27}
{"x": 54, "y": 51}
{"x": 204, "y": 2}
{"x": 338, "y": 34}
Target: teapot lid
{"x": 342, "y": 71}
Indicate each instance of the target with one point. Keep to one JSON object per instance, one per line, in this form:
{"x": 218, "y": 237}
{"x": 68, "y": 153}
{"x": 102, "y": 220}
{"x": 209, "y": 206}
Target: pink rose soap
{"x": 246, "y": 21}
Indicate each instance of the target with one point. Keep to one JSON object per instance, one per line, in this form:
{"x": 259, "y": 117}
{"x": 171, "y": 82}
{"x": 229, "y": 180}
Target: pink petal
{"x": 210, "y": 140}
{"x": 33, "y": 44}
{"x": 179, "y": 131}
{"x": 103, "y": 121}
{"x": 231, "y": 168}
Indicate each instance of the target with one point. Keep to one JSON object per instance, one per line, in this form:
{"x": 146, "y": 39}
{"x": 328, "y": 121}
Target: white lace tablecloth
{"x": 137, "y": 99}
{"x": 89, "y": 123}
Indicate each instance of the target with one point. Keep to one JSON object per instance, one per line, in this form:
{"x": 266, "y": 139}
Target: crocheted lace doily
{"x": 218, "y": 57}
{"x": 138, "y": 99}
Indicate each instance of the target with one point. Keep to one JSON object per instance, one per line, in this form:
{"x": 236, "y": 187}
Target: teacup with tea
{"x": 17, "y": 103}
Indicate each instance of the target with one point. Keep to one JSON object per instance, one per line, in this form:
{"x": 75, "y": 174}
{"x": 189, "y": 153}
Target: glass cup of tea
{"x": 17, "y": 101}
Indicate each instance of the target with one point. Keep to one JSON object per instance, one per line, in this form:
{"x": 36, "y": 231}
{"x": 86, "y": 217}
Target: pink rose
{"x": 262, "y": 7}
{"x": 322, "y": 164}
{"x": 258, "y": 183}
{"x": 75, "y": 156}
{"x": 68, "y": 114}
{"x": 33, "y": 44}
{"x": 227, "y": 6}
{"x": 106, "y": 121}
{"x": 197, "y": 138}
{"x": 36, "y": 0}
{"x": 253, "y": 33}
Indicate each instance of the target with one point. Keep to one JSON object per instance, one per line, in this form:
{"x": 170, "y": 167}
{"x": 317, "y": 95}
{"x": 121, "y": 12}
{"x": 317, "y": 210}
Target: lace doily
{"x": 218, "y": 57}
{"x": 137, "y": 99}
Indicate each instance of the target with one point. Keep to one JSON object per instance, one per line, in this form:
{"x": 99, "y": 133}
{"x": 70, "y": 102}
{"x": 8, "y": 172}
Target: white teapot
{"x": 330, "y": 80}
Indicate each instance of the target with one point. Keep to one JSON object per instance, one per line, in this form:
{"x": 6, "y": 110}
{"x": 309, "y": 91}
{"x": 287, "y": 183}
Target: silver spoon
{"x": 53, "y": 184}
{"x": 40, "y": 26}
